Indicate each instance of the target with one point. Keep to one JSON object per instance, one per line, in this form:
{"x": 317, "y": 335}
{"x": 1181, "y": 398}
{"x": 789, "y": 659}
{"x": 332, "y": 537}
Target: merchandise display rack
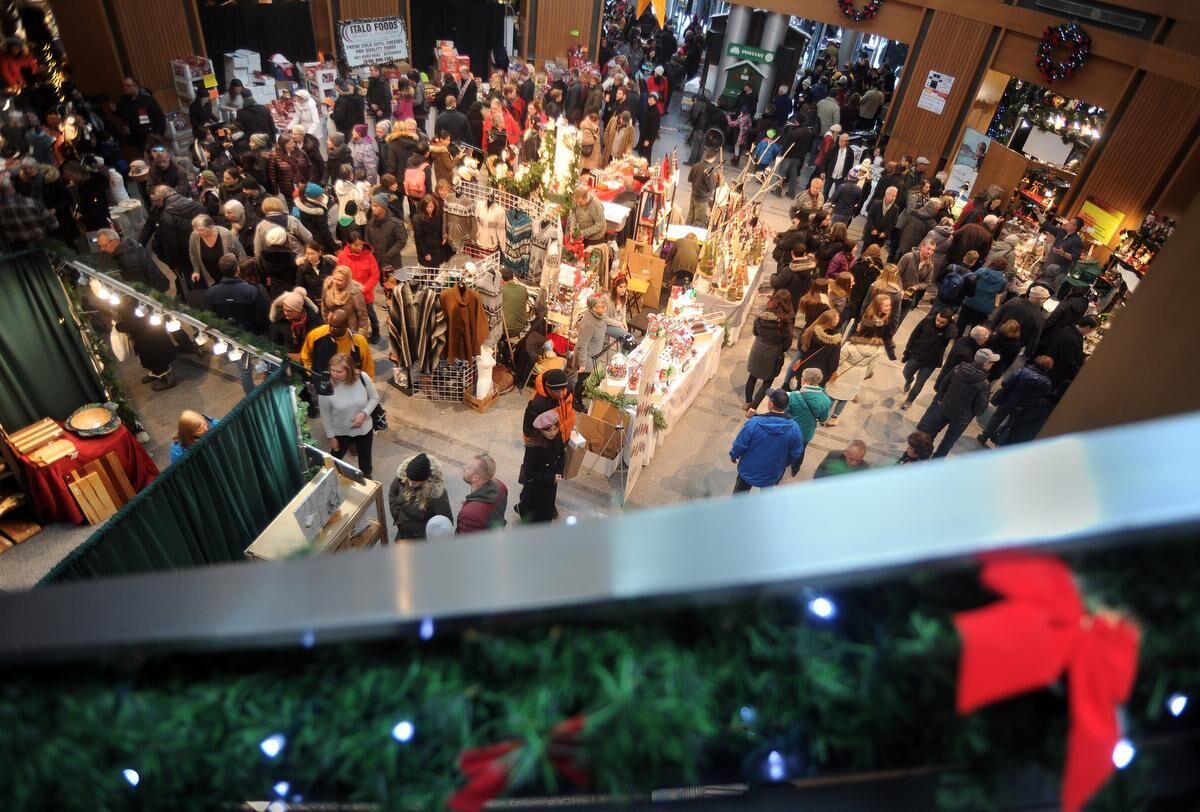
{"x": 448, "y": 383}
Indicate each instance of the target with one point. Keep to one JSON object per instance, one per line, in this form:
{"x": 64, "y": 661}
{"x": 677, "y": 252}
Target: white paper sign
{"x": 373, "y": 40}
{"x": 935, "y": 92}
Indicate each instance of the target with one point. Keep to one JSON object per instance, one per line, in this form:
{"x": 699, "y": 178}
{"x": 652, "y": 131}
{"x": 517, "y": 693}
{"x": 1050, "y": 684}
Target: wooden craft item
{"x": 93, "y": 497}
{"x": 5, "y": 545}
{"x": 35, "y": 435}
{"x": 17, "y": 530}
{"x": 53, "y": 451}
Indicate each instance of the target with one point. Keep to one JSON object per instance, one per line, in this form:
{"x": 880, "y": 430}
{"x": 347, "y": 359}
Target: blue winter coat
{"x": 765, "y": 446}
{"x": 988, "y": 282}
{"x": 1022, "y": 388}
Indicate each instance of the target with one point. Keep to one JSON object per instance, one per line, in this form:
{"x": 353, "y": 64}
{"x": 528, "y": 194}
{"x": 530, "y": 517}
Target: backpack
{"x": 414, "y": 181}
{"x": 952, "y": 287}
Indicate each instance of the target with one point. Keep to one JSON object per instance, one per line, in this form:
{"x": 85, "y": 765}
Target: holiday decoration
{"x": 867, "y": 12}
{"x": 1070, "y": 36}
{"x": 489, "y": 769}
{"x": 1030, "y": 639}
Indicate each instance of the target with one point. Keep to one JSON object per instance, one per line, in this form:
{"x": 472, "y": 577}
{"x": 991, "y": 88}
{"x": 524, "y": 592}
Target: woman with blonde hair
{"x": 417, "y": 494}
{"x": 872, "y": 337}
{"x": 346, "y": 412}
{"x": 341, "y": 291}
{"x": 888, "y": 284}
{"x": 192, "y": 426}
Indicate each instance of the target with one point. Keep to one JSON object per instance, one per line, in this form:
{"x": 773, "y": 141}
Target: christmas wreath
{"x": 1068, "y": 35}
{"x": 867, "y": 12}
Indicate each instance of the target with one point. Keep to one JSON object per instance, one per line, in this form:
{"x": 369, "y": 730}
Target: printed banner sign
{"x": 749, "y": 53}
{"x": 373, "y": 40}
{"x": 1100, "y": 221}
{"x": 935, "y": 92}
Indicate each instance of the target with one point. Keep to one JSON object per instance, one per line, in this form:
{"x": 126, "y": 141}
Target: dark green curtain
{"x": 210, "y": 505}
{"x": 45, "y": 371}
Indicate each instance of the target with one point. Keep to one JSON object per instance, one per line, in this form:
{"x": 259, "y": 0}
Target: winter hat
{"x": 771, "y": 133}
{"x": 985, "y": 356}
{"x": 138, "y": 169}
{"x": 228, "y": 264}
{"x": 303, "y": 94}
{"x": 381, "y": 199}
{"x": 419, "y": 469}
{"x": 337, "y": 139}
{"x": 258, "y": 141}
{"x": 546, "y": 420}
{"x": 276, "y": 236}
{"x": 209, "y": 176}
{"x": 313, "y": 190}
{"x": 345, "y": 221}
{"x": 439, "y": 527}
{"x": 294, "y": 300}
{"x": 922, "y": 161}
{"x": 360, "y": 130}
{"x": 658, "y": 71}
{"x": 554, "y": 379}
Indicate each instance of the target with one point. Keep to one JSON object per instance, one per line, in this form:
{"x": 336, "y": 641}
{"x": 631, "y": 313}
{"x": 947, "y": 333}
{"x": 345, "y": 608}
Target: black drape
{"x": 209, "y": 506}
{"x": 45, "y": 371}
{"x": 275, "y": 28}
{"x": 475, "y": 26}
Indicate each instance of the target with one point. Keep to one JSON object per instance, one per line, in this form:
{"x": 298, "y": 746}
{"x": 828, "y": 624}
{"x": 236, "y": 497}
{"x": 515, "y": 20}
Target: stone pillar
{"x": 774, "y": 33}
{"x": 736, "y": 29}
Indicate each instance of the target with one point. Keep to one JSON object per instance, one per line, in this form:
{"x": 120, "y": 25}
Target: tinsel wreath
{"x": 1068, "y": 35}
{"x": 867, "y": 12}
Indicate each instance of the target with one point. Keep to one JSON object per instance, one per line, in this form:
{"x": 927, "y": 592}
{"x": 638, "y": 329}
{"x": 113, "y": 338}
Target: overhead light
{"x": 236, "y": 353}
{"x": 156, "y": 319}
{"x": 272, "y": 745}
{"x": 173, "y": 325}
{"x": 114, "y": 297}
{"x": 140, "y": 311}
{"x": 201, "y": 339}
{"x": 1177, "y": 704}
{"x": 1123, "y": 754}
{"x": 132, "y": 777}
{"x": 822, "y": 607}
{"x": 220, "y": 348}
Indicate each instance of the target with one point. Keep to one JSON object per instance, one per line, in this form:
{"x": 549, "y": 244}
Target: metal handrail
{"x": 1075, "y": 491}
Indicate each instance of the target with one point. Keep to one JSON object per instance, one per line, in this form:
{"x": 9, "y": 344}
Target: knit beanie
{"x": 258, "y": 140}
{"x": 313, "y": 190}
{"x": 295, "y": 299}
{"x": 438, "y": 527}
{"x": 360, "y": 130}
{"x": 419, "y": 469}
{"x": 337, "y": 139}
{"x": 276, "y": 236}
{"x": 209, "y": 176}
{"x": 381, "y": 200}
{"x": 554, "y": 379}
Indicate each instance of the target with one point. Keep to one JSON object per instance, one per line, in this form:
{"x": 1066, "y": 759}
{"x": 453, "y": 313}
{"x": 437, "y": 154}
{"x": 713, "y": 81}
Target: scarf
{"x": 336, "y": 297}
{"x": 300, "y": 328}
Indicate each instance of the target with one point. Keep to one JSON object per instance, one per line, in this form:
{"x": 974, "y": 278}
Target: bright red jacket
{"x": 363, "y": 268}
{"x": 657, "y": 84}
{"x": 511, "y": 129}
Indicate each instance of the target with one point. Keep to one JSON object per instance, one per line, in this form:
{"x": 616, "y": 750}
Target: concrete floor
{"x": 693, "y": 462}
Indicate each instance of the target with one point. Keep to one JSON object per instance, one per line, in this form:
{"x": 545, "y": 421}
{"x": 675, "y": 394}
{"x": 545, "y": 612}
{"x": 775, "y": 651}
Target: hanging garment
{"x": 432, "y": 332}
{"x": 403, "y": 325}
{"x": 518, "y": 235}
{"x": 489, "y": 225}
{"x": 545, "y": 256}
{"x": 458, "y": 220}
{"x": 466, "y": 323}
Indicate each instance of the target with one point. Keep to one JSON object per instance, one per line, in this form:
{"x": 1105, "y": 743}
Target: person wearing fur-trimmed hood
{"x": 417, "y": 494}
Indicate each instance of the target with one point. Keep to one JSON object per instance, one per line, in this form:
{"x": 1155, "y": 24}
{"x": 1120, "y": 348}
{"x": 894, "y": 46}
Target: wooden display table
{"x": 284, "y": 538}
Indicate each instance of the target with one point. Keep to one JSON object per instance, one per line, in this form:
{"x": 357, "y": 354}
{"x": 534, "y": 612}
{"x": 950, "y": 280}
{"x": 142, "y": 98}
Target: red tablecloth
{"x": 609, "y": 195}
{"x": 52, "y": 500}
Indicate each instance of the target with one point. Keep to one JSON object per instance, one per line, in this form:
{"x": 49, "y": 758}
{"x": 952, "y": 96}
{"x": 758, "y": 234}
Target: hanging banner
{"x": 935, "y": 92}
{"x": 966, "y": 165}
{"x": 373, "y": 40}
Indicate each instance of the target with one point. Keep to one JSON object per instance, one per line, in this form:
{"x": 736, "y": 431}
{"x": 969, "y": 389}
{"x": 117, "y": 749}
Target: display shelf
{"x": 1041, "y": 202}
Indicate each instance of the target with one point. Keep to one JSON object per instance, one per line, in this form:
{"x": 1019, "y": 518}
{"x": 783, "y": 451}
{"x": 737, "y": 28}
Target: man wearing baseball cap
{"x": 766, "y": 445}
{"x": 963, "y": 396}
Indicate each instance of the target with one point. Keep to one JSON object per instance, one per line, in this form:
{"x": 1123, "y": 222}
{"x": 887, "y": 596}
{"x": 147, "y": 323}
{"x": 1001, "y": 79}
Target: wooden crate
{"x": 483, "y": 405}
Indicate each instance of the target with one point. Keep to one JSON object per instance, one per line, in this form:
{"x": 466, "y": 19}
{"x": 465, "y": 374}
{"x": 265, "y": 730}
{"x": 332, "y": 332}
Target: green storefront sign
{"x": 749, "y": 53}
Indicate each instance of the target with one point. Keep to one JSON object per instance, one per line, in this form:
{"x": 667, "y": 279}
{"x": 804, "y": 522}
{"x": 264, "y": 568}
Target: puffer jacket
{"x": 858, "y": 360}
{"x": 484, "y": 508}
{"x": 387, "y": 237}
{"x": 964, "y": 393}
{"x": 411, "y": 510}
{"x": 314, "y": 216}
{"x": 363, "y": 268}
{"x": 765, "y": 446}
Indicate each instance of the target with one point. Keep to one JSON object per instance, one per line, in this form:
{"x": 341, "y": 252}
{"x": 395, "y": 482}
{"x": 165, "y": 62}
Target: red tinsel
{"x": 867, "y": 12}
{"x": 1028, "y": 640}
{"x": 487, "y": 768}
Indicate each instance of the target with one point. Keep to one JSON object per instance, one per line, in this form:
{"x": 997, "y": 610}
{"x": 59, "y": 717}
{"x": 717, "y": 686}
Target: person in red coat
{"x": 359, "y": 257}
{"x": 501, "y": 122}
{"x": 487, "y": 502}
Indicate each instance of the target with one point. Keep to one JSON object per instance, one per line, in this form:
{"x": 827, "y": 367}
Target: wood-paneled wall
{"x": 155, "y": 32}
{"x": 88, "y": 39}
{"x": 357, "y": 9}
{"x": 895, "y": 20}
{"x": 1142, "y": 150}
{"x": 952, "y": 45}
{"x": 1100, "y": 81}
{"x": 555, "y": 18}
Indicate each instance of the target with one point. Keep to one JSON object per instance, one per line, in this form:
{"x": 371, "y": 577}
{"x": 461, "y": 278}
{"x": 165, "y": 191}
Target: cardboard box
{"x": 576, "y": 449}
{"x": 603, "y": 410}
{"x": 604, "y": 439}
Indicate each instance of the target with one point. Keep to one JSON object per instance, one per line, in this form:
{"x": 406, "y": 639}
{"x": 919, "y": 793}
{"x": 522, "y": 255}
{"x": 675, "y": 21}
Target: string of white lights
{"x": 148, "y": 307}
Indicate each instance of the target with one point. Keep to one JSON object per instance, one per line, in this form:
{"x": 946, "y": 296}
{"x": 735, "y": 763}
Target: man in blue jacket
{"x": 766, "y": 445}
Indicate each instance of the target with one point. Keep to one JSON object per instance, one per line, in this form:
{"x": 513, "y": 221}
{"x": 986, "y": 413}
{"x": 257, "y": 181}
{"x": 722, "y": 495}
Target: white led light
{"x": 272, "y": 745}
{"x": 173, "y": 325}
{"x": 156, "y": 319}
{"x": 114, "y": 297}
{"x": 572, "y": 521}
{"x": 281, "y": 789}
{"x": 426, "y": 631}
{"x": 775, "y": 766}
{"x": 220, "y": 348}
{"x": 201, "y": 339}
{"x": 1177, "y": 704}
{"x": 132, "y": 777}
{"x": 236, "y": 353}
{"x": 822, "y": 608}
{"x": 1123, "y": 754}
{"x": 403, "y": 731}
{"x": 140, "y": 311}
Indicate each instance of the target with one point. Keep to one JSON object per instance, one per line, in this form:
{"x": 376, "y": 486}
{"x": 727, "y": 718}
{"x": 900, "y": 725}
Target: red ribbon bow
{"x": 487, "y": 768}
{"x": 1028, "y": 640}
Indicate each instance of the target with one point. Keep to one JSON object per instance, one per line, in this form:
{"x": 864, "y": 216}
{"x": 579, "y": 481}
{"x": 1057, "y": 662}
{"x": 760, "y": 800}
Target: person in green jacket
{"x": 852, "y": 459}
{"x": 808, "y": 406}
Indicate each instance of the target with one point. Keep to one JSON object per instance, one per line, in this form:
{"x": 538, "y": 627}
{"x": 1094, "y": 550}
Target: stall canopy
{"x": 210, "y": 505}
{"x": 273, "y": 28}
{"x": 45, "y": 371}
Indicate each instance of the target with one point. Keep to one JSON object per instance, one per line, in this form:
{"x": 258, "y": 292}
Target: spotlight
{"x": 114, "y": 297}
{"x": 155, "y": 319}
{"x": 403, "y": 731}
{"x": 426, "y": 631}
{"x": 1177, "y": 704}
{"x": 776, "y": 767}
{"x": 132, "y": 777}
{"x": 201, "y": 339}
{"x": 220, "y": 348}
{"x": 140, "y": 311}
{"x": 281, "y": 789}
{"x": 1123, "y": 754}
{"x": 236, "y": 353}
{"x": 822, "y": 608}
{"x": 173, "y": 325}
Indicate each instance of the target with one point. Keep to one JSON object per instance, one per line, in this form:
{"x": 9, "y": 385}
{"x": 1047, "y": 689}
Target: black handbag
{"x": 379, "y": 418}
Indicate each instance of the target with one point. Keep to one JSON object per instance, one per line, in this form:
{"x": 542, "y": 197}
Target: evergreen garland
{"x": 621, "y": 401}
{"x": 672, "y": 696}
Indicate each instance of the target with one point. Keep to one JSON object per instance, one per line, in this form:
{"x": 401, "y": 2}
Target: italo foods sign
{"x": 373, "y": 40}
